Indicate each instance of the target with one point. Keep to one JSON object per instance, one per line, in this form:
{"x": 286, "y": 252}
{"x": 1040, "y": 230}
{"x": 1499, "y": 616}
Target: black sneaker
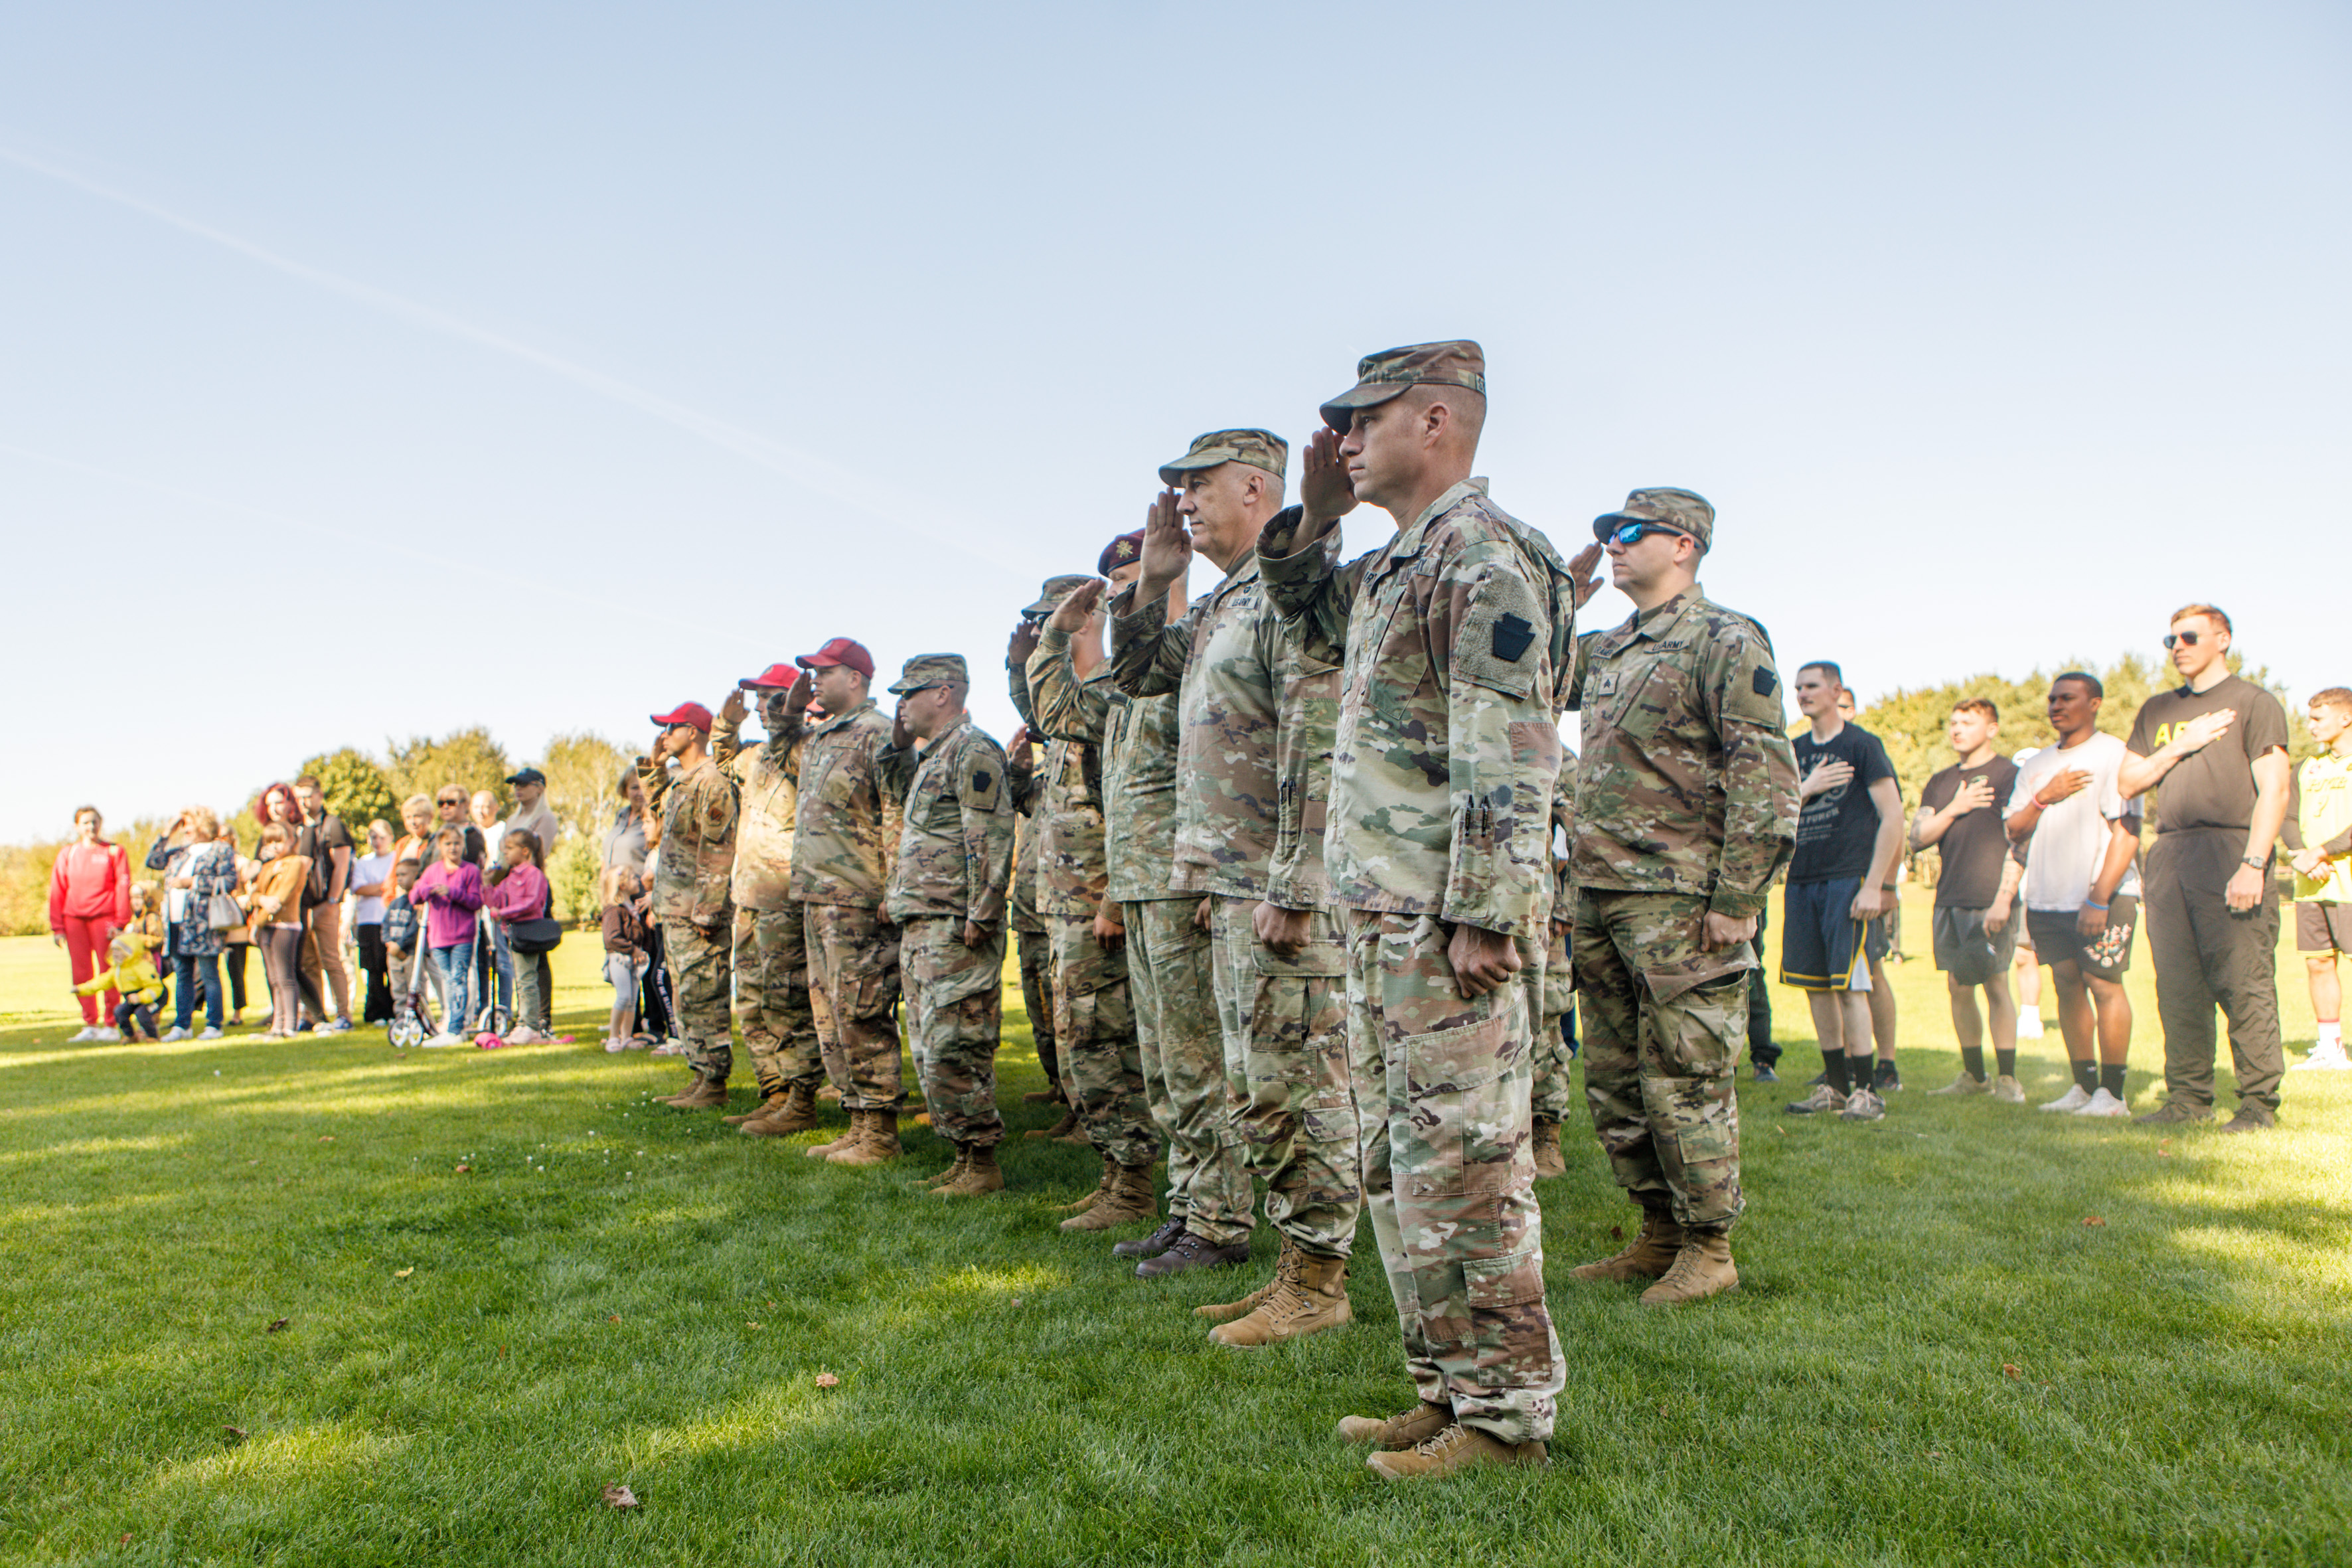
{"x": 2173, "y": 1112}
{"x": 1887, "y": 1079}
{"x": 1151, "y": 1246}
{"x": 1192, "y": 1252}
{"x": 1764, "y": 1073}
{"x": 2249, "y": 1119}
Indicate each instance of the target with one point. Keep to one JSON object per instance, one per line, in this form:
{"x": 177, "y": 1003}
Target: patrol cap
{"x": 526, "y": 775}
{"x": 1681, "y": 509}
{"x": 841, "y": 651}
{"x": 785, "y": 675}
{"x": 1258, "y": 448}
{"x": 928, "y": 669}
{"x": 1124, "y": 551}
{"x": 693, "y": 713}
{"x": 1386, "y": 374}
{"x": 1050, "y": 597}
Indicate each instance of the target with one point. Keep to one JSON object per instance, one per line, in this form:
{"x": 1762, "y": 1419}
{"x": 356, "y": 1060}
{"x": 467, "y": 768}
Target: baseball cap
{"x": 1258, "y": 448}
{"x": 1674, "y": 509}
{"x": 841, "y": 651}
{"x": 1384, "y": 376}
{"x": 526, "y": 775}
{"x": 693, "y": 713}
{"x": 775, "y": 675}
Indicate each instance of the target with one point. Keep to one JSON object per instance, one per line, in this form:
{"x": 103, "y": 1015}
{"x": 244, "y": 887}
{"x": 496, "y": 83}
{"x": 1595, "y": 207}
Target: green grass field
{"x": 1968, "y": 1333}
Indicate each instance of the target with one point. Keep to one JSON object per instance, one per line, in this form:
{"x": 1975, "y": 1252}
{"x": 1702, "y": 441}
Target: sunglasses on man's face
{"x": 2182, "y": 639}
{"x": 1631, "y": 534}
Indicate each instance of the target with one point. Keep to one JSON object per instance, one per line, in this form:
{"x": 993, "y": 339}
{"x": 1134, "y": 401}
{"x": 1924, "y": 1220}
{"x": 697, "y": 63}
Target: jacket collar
{"x": 1656, "y": 624}
{"x": 1410, "y": 542}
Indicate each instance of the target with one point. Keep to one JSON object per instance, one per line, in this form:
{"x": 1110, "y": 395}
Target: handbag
{"x": 544, "y": 934}
{"x": 221, "y": 912}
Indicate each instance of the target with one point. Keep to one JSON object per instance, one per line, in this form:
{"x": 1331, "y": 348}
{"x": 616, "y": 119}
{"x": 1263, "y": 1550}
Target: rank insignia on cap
{"x": 1763, "y": 681}
{"x": 1512, "y": 634}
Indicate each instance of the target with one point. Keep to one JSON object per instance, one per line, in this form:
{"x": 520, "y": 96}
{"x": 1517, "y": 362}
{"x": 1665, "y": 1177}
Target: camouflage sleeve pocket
{"x": 1751, "y": 690}
{"x": 1495, "y": 645}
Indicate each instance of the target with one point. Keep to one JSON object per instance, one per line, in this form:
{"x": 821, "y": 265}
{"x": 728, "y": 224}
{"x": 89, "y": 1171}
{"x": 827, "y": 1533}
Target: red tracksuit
{"x": 89, "y": 900}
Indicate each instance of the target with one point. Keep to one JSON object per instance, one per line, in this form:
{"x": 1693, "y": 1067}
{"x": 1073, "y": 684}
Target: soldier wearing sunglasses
{"x": 2214, "y": 750}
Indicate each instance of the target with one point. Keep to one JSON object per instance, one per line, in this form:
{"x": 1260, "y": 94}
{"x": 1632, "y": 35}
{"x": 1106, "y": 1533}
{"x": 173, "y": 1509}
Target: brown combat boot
{"x": 1225, "y": 1311}
{"x": 1454, "y": 1450}
{"x": 1702, "y": 1268}
{"x": 1550, "y": 1161}
{"x": 849, "y": 1136}
{"x": 1418, "y": 1425}
{"x": 1092, "y": 1198}
{"x": 1311, "y": 1298}
{"x": 1062, "y": 1128}
{"x": 705, "y": 1094}
{"x": 829, "y": 1092}
{"x": 877, "y": 1146}
{"x": 767, "y": 1103}
{"x": 981, "y": 1175}
{"x": 955, "y": 1169}
{"x": 1128, "y": 1199}
{"x": 1045, "y": 1096}
{"x": 1647, "y": 1257}
{"x": 794, "y": 1111}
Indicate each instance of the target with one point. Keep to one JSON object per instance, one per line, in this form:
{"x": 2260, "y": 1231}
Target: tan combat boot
{"x": 1454, "y": 1450}
{"x": 1550, "y": 1161}
{"x": 829, "y": 1092}
{"x": 981, "y": 1175}
{"x": 955, "y": 1169}
{"x": 767, "y": 1103}
{"x": 794, "y": 1111}
{"x": 1647, "y": 1257}
{"x": 1092, "y": 1198}
{"x": 878, "y": 1145}
{"x": 706, "y": 1093}
{"x": 693, "y": 1086}
{"x": 1702, "y": 1268}
{"x": 1418, "y": 1425}
{"x": 1314, "y": 1297}
{"x": 1128, "y": 1198}
{"x": 849, "y": 1136}
{"x": 1061, "y": 1130}
{"x": 1225, "y": 1311}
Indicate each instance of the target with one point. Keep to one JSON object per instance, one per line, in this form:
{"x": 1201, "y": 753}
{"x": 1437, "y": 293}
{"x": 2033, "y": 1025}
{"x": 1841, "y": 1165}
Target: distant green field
{"x": 1968, "y": 1333}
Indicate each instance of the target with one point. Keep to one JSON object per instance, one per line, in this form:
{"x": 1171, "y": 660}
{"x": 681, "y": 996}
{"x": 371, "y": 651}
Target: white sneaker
{"x": 440, "y": 1042}
{"x": 340, "y": 1027}
{"x": 210, "y": 1034}
{"x": 2102, "y": 1104}
{"x": 175, "y": 1034}
{"x": 110, "y": 1035}
{"x": 88, "y": 1033}
{"x": 673, "y": 1046}
{"x": 2328, "y": 1057}
{"x": 2075, "y": 1098}
{"x": 2029, "y": 1025}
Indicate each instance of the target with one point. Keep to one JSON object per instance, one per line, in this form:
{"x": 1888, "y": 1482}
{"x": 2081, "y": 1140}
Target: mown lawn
{"x": 1968, "y": 1333}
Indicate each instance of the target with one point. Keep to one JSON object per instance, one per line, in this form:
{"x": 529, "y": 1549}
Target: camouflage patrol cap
{"x": 1681, "y": 509}
{"x": 1056, "y": 590}
{"x": 928, "y": 669}
{"x": 1386, "y": 374}
{"x": 1258, "y": 448}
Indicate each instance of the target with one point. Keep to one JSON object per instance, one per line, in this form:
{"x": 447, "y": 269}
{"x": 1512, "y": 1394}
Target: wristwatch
{"x": 2257, "y": 862}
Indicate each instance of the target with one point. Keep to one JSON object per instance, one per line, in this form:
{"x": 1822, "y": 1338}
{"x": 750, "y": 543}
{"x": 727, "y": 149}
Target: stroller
{"x": 411, "y": 1024}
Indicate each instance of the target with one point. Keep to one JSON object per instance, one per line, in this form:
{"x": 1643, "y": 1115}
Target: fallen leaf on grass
{"x": 1616, "y": 1233}
{"x": 234, "y": 1434}
{"x": 126, "y": 1539}
{"x": 326, "y": 1137}
{"x": 463, "y": 1169}
{"x": 750, "y": 1325}
{"x": 2092, "y": 1220}
{"x": 1016, "y": 1300}
{"x": 826, "y": 1380}
{"x": 277, "y": 1325}
{"x": 616, "y": 1317}
{"x": 1661, "y": 1410}
{"x": 403, "y": 1273}
{"x": 2009, "y": 1369}
{"x": 619, "y": 1497}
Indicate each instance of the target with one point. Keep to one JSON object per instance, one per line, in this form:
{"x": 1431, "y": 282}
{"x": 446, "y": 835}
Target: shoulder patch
{"x": 1763, "y": 682}
{"x": 982, "y": 778}
{"x": 1490, "y": 644}
{"x": 1751, "y": 690}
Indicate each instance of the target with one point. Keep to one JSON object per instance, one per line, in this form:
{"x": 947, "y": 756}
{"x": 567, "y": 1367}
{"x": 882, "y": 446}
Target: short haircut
{"x": 2334, "y": 697}
{"x": 1837, "y": 676}
{"x": 277, "y": 832}
{"x": 2211, "y": 612}
{"x": 412, "y": 868}
{"x": 2086, "y": 677}
{"x": 417, "y": 803}
{"x": 452, "y": 831}
{"x": 308, "y": 781}
{"x": 530, "y": 842}
{"x": 83, "y": 811}
{"x": 1978, "y": 705}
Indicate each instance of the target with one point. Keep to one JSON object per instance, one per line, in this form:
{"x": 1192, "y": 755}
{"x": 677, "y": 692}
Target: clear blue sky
{"x": 377, "y": 370}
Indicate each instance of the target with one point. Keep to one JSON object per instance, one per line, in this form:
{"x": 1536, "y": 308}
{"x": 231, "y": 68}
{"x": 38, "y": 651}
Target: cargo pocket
{"x": 1511, "y": 1332}
{"x": 1298, "y": 1003}
{"x": 1705, "y": 1028}
{"x": 1709, "y": 1154}
{"x": 1460, "y": 1139}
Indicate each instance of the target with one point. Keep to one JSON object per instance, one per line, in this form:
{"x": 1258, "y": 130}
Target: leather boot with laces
{"x": 1193, "y": 1250}
{"x": 767, "y": 1103}
{"x": 849, "y": 1135}
{"x": 962, "y": 1158}
{"x": 1648, "y": 1255}
{"x": 1550, "y": 1161}
{"x": 1062, "y": 1128}
{"x": 1309, "y": 1297}
{"x": 1127, "y": 1199}
{"x": 793, "y": 1112}
{"x": 1418, "y": 1425}
{"x": 1151, "y": 1246}
{"x": 878, "y": 1145}
{"x": 981, "y": 1174}
{"x": 1456, "y": 1449}
{"x": 1224, "y": 1311}
{"x": 1702, "y": 1268}
{"x": 707, "y": 1093}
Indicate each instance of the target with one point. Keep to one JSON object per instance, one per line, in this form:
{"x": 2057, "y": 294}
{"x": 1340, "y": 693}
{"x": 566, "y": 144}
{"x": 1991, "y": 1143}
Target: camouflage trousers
{"x": 1441, "y": 1085}
{"x": 1183, "y": 1049}
{"x": 854, "y": 989}
{"x": 771, "y": 998}
{"x": 1037, "y": 994}
{"x": 1664, "y": 1020}
{"x": 1552, "y": 995}
{"x": 1094, "y": 1032}
{"x": 698, "y": 964}
{"x": 955, "y": 1005}
{"x": 1292, "y": 1104}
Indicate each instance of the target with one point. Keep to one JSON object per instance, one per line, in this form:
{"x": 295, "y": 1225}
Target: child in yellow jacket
{"x": 134, "y": 977}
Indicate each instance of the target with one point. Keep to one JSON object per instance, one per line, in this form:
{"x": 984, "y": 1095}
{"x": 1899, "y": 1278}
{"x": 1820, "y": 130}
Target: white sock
{"x": 2331, "y": 1037}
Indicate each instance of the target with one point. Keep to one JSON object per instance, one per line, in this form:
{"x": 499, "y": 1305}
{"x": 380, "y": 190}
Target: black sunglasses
{"x": 1632, "y": 534}
{"x": 2180, "y": 639}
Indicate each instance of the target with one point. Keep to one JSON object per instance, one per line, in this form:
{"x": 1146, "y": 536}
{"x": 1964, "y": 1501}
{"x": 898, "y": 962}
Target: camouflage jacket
{"x": 1073, "y": 870}
{"x": 1563, "y": 821}
{"x": 1458, "y": 631}
{"x": 698, "y": 813}
{"x": 848, "y": 827}
{"x": 1255, "y": 710}
{"x": 955, "y": 838}
{"x": 1688, "y": 783}
{"x": 1138, "y": 782}
{"x": 767, "y": 786}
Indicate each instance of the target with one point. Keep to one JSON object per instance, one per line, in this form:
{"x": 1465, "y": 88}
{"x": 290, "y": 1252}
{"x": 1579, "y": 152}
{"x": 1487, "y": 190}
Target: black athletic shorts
{"x": 2055, "y": 940}
{"x": 2323, "y": 927}
{"x": 1967, "y": 951}
{"x": 1822, "y": 946}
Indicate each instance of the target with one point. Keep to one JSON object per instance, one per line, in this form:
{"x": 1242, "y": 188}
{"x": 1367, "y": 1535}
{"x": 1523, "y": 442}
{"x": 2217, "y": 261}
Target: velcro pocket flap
{"x": 1453, "y": 1061}
{"x": 1499, "y": 1282}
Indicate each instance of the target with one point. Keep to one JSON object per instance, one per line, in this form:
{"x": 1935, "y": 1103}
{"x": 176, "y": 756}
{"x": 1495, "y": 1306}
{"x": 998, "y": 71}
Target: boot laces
{"x": 1436, "y": 1448}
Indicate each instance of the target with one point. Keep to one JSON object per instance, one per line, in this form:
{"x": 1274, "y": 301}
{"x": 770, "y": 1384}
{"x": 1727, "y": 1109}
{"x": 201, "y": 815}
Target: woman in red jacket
{"x": 89, "y": 900}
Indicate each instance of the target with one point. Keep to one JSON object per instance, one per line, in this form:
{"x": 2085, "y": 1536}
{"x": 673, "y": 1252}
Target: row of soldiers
{"x": 1285, "y": 891}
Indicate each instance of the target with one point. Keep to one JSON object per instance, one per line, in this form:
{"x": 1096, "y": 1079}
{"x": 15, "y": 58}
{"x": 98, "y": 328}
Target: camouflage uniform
{"x": 1256, "y": 709}
{"x": 1555, "y": 991}
{"x": 1029, "y": 934}
{"x": 1685, "y": 803}
{"x": 1456, "y": 633}
{"x": 691, "y": 898}
{"x": 842, "y": 846}
{"x": 954, "y": 865}
{"x": 1094, "y": 1018}
{"x": 770, "y": 958}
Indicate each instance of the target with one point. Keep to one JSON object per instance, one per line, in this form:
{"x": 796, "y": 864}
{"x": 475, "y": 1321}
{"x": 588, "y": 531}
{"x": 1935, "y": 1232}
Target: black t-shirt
{"x": 2213, "y": 787}
{"x": 319, "y": 840}
{"x": 1837, "y": 829}
{"x": 1975, "y": 847}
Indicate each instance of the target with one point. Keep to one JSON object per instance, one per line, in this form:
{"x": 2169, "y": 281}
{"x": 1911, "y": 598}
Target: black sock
{"x": 2111, "y": 1078}
{"x": 1857, "y": 1071}
{"x": 2087, "y": 1075}
{"x": 2006, "y": 1061}
{"x": 1972, "y": 1061}
{"x": 1834, "y": 1066}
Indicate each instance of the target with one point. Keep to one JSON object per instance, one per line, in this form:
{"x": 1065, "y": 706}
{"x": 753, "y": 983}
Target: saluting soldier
{"x": 1685, "y": 812}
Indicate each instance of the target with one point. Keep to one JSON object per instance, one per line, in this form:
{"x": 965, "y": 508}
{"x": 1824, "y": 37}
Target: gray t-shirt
{"x": 2070, "y": 843}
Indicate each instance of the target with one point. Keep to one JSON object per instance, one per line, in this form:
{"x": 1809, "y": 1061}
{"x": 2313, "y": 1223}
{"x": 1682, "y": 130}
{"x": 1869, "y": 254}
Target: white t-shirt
{"x": 2070, "y": 844}
{"x": 366, "y": 871}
